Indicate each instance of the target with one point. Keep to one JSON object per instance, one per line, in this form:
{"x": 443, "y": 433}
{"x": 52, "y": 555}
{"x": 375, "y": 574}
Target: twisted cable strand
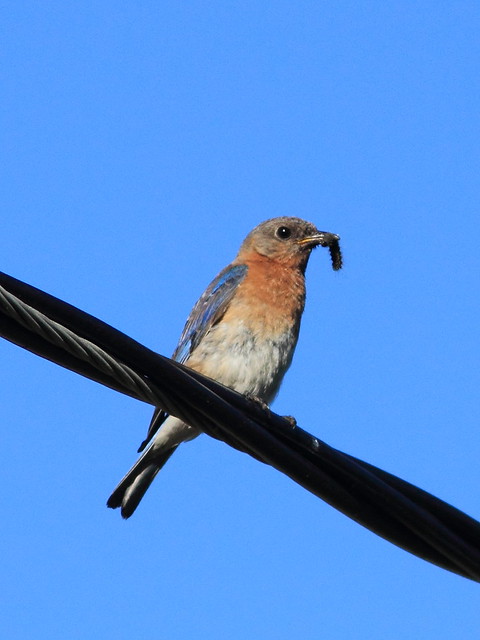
{"x": 81, "y": 348}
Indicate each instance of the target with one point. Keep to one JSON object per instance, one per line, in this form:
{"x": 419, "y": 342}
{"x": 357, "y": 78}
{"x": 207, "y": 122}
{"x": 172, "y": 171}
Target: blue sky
{"x": 140, "y": 142}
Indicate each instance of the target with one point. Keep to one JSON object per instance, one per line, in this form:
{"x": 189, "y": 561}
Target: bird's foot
{"x": 258, "y": 401}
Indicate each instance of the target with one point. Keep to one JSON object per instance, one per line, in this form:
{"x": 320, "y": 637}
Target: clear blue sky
{"x": 140, "y": 142}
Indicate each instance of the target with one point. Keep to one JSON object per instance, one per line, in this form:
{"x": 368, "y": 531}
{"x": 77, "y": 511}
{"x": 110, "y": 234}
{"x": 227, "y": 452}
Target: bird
{"x": 242, "y": 332}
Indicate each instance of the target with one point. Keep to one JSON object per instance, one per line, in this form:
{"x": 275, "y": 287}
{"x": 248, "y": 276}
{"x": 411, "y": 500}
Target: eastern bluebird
{"x": 242, "y": 332}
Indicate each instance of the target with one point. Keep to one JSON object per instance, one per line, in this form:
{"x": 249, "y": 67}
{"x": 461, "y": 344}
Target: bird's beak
{"x": 326, "y": 239}
{"x": 323, "y": 238}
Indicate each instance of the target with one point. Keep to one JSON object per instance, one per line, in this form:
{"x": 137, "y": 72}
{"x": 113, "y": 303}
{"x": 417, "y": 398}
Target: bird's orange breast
{"x": 271, "y": 298}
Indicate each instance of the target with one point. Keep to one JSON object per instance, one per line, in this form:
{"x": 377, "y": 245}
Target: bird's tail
{"x": 132, "y": 487}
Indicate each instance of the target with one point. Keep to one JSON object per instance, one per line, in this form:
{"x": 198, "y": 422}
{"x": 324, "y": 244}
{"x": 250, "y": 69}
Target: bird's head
{"x": 290, "y": 240}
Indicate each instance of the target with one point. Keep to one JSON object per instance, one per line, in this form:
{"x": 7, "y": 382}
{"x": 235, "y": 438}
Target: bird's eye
{"x": 283, "y": 233}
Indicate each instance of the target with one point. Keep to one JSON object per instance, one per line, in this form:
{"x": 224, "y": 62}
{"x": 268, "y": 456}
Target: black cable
{"x": 392, "y": 508}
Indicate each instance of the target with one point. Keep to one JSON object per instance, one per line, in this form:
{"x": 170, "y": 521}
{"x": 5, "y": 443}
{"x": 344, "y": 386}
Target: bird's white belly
{"x": 237, "y": 357}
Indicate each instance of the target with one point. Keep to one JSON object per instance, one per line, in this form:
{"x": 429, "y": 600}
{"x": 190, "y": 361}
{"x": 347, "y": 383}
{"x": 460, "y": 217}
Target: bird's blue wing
{"x": 208, "y": 310}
